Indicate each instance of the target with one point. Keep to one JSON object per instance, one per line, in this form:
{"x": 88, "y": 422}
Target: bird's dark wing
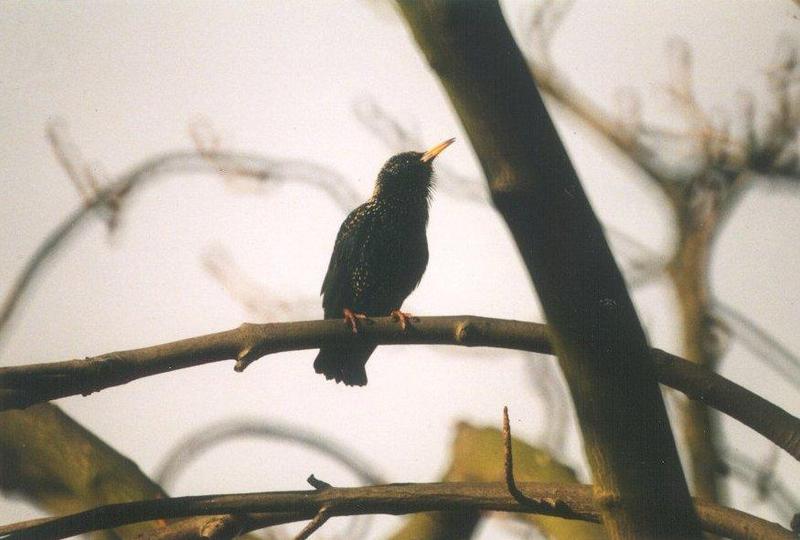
{"x": 337, "y": 288}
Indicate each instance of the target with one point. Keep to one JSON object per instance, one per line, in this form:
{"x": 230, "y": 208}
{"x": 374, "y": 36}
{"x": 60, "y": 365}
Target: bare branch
{"x": 22, "y": 386}
{"x": 68, "y": 155}
{"x": 205, "y": 439}
{"x": 708, "y": 139}
{"x": 225, "y": 163}
{"x": 319, "y": 520}
{"x": 760, "y": 477}
{"x": 553, "y": 499}
{"x": 641, "y": 264}
{"x": 261, "y": 302}
{"x": 758, "y": 341}
{"x": 508, "y": 463}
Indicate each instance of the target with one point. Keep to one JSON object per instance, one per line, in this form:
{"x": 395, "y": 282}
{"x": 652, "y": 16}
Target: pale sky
{"x": 280, "y": 79}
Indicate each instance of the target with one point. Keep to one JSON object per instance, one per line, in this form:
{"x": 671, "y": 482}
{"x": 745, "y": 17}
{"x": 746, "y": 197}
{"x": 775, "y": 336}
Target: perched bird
{"x": 379, "y": 257}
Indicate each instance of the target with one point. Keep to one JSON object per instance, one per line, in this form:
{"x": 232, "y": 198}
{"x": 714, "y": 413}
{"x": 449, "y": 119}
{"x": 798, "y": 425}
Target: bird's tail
{"x": 344, "y": 364}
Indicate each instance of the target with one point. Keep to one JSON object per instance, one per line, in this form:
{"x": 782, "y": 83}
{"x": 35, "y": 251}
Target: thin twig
{"x": 508, "y": 469}
{"x": 210, "y": 436}
{"x": 647, "y": 146}
{"x": 71, "y": 160}
{"x": 749, "y": 472}
{"x": 318, "y": 484}
{"x": 761, "y": 343}
{"x": 263, "y": 304}
{"x": 318, "y": 521}
{"x": 508, "y": 462}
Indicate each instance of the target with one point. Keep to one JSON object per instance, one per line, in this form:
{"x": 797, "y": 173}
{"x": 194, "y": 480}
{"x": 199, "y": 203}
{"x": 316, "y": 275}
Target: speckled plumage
{"x": 378, "y": 259}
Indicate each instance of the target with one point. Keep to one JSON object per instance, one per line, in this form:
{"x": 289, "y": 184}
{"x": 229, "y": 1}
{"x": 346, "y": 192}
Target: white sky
{"x": 280, "y": 78}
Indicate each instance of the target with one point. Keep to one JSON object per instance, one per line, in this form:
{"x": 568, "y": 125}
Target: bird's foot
{"x": 351, "y": 318}
{"x": 402, "y": 317}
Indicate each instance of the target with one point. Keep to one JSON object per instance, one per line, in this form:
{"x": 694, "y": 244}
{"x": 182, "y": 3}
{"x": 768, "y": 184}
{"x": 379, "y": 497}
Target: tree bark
{"x": 596, "y": 333}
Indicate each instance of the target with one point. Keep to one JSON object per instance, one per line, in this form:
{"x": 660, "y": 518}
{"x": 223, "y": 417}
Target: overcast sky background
{"x": 280, "y": 79}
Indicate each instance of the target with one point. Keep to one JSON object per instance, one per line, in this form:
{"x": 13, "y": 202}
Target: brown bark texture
{"x": 596, "y": 333}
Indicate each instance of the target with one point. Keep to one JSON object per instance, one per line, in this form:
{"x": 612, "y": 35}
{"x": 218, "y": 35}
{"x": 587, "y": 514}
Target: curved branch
{"x": 206, "y": 438}
{"x": 761, "y": 343}
{"x": 226, "y": 163}
{"x": 761, "y": 479}
{"x": 22, "y": 386}
{"x": 553, "y": 499}
{"x": 210, "y": 436}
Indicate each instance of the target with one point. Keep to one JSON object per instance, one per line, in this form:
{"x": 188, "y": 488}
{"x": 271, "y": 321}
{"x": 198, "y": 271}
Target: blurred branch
{"x": 710, "y": 142}
{"x": 641, "y": 264}
{"x": 253, "y": 166}
{"x": 475, "y": 457}
{"x": 552, "y": 499}
{"x": 22, "y": 386}
{"x": 758, "y": 341}
{"x": 399, "y": 138}
{"x": 82, "y": 176}
{"x": 550, "y": 388}
{"x": 761, "y": 478}
{"x": 49, "y": 459}
{"x": 187, "y": 450}
{"x": 201, "y": 441}
{"x": 261, "y": 302}
{"x": 57, "y": 464}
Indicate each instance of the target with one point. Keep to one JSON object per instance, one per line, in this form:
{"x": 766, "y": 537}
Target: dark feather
{"x": 378, "y": 259}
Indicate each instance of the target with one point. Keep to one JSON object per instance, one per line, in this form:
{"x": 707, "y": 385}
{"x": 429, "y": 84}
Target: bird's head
{"x": 409, "y": 173}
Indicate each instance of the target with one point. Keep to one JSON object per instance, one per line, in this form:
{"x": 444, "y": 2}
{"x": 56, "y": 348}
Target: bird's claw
{"x": 402, "y": 317}
{"x": 351, "y": 318}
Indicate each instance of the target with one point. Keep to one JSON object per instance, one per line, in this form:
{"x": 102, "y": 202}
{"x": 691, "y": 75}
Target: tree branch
{"x": 49, "y": 459}
{"x": 23, "y": 386}
{"x": 601, "y": 346}
{"x": 190, "y": 448}
{"x": 552, "y": 499}
{"x": 475, "y": 454}
{"x": 225, "y": 163}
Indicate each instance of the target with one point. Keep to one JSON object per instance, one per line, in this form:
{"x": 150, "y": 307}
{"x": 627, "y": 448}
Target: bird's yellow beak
{"x": 436, "y": 150}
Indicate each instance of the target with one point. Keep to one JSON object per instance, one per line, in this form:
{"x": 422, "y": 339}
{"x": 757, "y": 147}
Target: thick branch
{"x": 23, "y": 386}
{"x": 566, "y": 501}
{"x": 57, "y": 464}
{"x": 601, "y": 346}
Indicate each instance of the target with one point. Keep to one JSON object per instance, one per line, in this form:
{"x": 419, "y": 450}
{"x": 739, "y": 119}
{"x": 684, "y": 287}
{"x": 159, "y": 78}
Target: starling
{"x": 379, "y": 257}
